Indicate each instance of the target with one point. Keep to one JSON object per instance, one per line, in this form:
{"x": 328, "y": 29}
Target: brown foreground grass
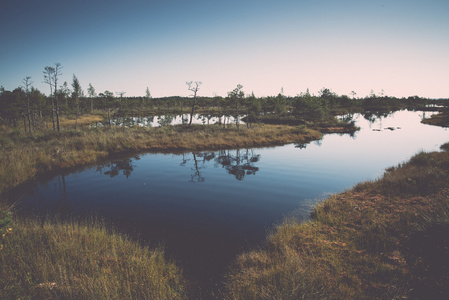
{"x": 25, "y": 155}
{"x": 82, "y": 261}
{"x": 383, "y": 239}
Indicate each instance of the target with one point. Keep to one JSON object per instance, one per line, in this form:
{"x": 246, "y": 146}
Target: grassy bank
{"x": 327, "y": 124}
{"x": 82, "y": 261}
{"x": 25, "y": 155}
{"x": 383, "y": 239}
{"x": 441, "y": 119}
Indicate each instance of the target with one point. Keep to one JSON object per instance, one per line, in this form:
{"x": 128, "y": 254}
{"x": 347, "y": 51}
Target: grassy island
{"x": 327, "y": 124}
{"x": 25, "y": 155}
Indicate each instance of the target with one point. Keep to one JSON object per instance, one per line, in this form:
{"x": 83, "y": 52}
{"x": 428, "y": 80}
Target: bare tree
{"x": 27, "y": 82}
{"x": 48, "y": 78}
{"x": 121, "y": 95}
{"x": 51, "y": 76}
{"x": 56, "y": 74}
{"x": 194, "y": 87}
{"x": 92, "y": 94}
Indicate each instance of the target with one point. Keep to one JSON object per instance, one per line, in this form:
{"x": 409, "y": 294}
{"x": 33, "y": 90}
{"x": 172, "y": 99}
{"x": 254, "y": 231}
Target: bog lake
{"x": 205, "y": 208}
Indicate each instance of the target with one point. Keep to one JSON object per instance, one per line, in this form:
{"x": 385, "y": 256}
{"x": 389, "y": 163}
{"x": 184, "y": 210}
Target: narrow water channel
{"x": 206, "y": 207}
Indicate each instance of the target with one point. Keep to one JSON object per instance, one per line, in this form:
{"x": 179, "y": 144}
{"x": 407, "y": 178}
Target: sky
{"x": 396, "y": 47}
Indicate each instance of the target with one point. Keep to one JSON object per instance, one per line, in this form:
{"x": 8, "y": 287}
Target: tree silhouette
{"x": 76, "y": 94}
{"x": 196, "y": 176}
{"x": 199, "y": 161}
{"x": 235, "y": 99}
{"x": 27, "y": 82}
{"x": 194, "y": 87}
{"x": 51, "y": 76}
{"x": 48, "y": 79}
{"x": 56, "y": 75}
{"x": 92, "y": 94}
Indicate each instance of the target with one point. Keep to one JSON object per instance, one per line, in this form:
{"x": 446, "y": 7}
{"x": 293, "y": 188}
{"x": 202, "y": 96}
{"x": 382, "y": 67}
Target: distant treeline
{"x": 30, "y": 107}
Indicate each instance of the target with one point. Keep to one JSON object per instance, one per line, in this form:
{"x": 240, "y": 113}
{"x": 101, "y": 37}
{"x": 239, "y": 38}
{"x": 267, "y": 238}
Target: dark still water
{"x": 206, "y": 207}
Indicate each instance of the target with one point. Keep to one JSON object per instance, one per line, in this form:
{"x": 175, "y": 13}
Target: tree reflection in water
{"x": 112, "y": 168}
{"x": 63, "y": 201}
{"x": 374, "y": 116}
{"x": 238, "y": 163}
{"x": 199, "y": 161}
{"x": 196, "y": 176}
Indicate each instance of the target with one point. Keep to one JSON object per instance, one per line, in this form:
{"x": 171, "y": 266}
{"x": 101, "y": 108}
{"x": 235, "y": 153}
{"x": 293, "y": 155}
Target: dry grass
{"x": 383, "y": 239}
{"x": 80, "y": 261}
{"x": 82, "y": 120}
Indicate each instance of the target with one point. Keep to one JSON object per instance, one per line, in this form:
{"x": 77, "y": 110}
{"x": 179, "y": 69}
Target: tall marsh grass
{"x": 82, "y": 261}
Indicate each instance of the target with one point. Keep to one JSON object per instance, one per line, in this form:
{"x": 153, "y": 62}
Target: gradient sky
{"x": 401, "y": 47}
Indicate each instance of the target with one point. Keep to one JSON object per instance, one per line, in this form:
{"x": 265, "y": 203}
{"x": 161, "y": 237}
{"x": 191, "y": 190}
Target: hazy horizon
{"x": 399, "y": 47}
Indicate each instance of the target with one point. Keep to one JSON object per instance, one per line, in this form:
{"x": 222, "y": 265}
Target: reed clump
{"x": 387, "y": 238}
{"x": 82, "y": 260}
